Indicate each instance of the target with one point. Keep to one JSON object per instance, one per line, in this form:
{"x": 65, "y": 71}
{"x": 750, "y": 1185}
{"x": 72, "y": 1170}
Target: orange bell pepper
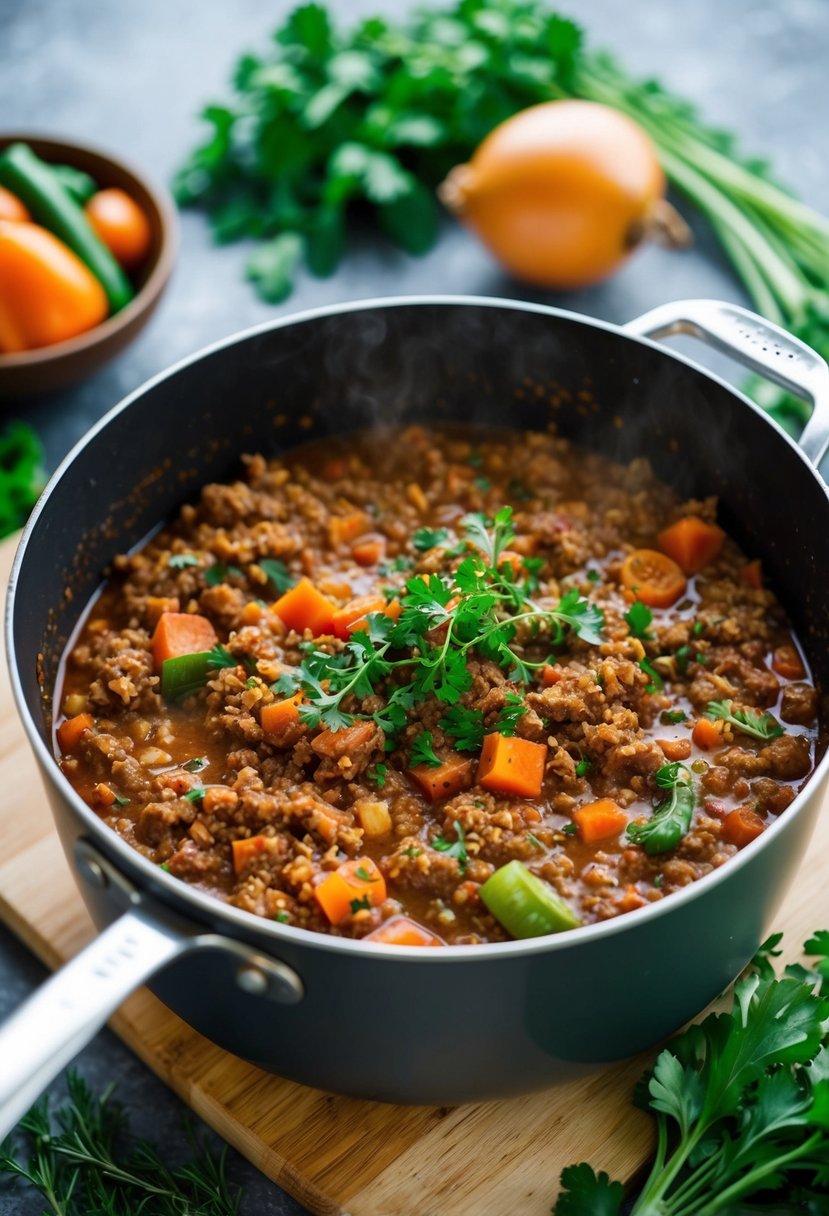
{"x": 47, "y": 294}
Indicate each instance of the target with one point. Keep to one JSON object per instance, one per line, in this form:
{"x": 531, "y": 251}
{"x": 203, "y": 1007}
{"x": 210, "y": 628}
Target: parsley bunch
{"x": 444, "y": 619}
{"x": 741, "y": 1101}
{"x": 325, "y": 122}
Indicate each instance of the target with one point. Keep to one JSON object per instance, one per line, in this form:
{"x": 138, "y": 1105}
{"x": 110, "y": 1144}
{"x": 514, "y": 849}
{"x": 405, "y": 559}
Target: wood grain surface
{"x": 340, "y": 1155}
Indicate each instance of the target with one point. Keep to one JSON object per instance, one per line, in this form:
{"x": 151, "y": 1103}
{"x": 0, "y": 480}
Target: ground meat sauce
{"x": 186, "y": 782}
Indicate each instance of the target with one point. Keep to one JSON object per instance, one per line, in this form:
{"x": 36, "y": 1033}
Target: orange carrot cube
{"x": 180, "y": 633}
{"x": 512, "y": 766}
{"x": 304, "y": 607}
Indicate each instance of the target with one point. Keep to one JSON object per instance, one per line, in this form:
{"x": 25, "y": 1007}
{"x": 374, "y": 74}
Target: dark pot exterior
{"x": 462, "y": 1023}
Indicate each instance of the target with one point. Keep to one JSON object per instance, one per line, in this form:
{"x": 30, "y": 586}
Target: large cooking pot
{"x": 402, "y": 1024}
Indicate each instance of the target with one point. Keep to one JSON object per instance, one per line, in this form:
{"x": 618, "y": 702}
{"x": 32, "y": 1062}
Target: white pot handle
{"x": 759, "y": 345}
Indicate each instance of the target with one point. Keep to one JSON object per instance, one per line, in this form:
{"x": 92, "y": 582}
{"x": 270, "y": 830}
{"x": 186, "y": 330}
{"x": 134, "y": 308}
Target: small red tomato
{"x": 121, "y": 225}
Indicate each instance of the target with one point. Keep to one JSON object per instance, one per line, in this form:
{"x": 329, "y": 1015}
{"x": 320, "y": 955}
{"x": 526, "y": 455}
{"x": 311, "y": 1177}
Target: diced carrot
{"x": 675, "y": 749}
{"x": 600, "y": 820}
{"x": 304, "y": 607}
{"x": 368, "y": 551}
{"x": 512, "y": 766}
{"x": 103, "y": 795}
{"x": 70, "y": 731}
{"x": 351, "y": 887}
{"x": 525, "y": 545}
{"x": 752, "y": 575}
{"x": 280, "y": 715}
{"x": 180, "y": 633}
{"x": 157, "y": 605}
{"x": 742, "y": 826}
{"x": 691, "y": 542}
{"x": 352, "y": 617}
{"x": 550, "y": 675}
{"x": 706, "y": 735}
{"x": 253, "y": 849}
{"x": 454, "y": 775}
{"x": 654, "y": 578}
{"x": 401, "y": 931}
{"x": 788, "y": 663}
{"x": 513, "y": 560}
{"x": 336, "y": 743}
{"x": 631, "y": 900}
{"x": 342, "y": 529}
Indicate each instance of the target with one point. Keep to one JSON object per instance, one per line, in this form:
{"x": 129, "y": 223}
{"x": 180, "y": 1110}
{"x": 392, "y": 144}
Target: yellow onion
{"x": 563, "y": 192}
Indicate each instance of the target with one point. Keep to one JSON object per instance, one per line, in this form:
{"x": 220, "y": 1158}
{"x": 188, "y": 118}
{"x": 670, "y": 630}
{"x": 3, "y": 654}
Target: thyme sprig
{"x": 82, "y": 1160}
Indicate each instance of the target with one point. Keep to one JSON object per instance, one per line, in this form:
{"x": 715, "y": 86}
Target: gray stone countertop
{"x": 132, "y": 76}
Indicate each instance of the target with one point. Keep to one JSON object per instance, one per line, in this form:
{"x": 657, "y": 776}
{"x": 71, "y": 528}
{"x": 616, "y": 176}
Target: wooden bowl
{"x": 51, "y": 367}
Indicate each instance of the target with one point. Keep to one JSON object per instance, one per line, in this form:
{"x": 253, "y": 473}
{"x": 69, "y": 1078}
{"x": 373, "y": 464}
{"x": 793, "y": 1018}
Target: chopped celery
{"x": 524, "y": 904}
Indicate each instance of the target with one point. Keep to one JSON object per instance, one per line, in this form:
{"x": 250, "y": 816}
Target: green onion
{"x": 184, "y": 675}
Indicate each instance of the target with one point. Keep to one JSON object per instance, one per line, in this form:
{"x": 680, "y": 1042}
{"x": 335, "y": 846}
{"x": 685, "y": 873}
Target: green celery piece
{"x": 524, "y": 904}
{"x": 185, "y": 674}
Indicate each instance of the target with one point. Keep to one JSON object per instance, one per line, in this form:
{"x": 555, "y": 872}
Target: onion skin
{"x": 561, "y": 193}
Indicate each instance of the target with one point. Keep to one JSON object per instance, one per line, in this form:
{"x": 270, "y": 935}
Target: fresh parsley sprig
{"x": 443, "y": 620}
{"x": 741, "y": 1103}
{"x": 639, "y": 619}
{"x": 454, "y": 848}
{"x": 422, "y": 751}
{"x": 749, "y": 721}
{"x": 671, "y": 817}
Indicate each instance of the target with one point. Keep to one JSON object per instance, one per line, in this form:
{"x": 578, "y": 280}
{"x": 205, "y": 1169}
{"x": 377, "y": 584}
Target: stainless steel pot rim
{"x": 235, "y": 920}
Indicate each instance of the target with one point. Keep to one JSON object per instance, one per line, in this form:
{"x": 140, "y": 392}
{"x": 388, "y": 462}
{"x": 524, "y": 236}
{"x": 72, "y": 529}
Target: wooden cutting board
{"x": 338, "y": 1155}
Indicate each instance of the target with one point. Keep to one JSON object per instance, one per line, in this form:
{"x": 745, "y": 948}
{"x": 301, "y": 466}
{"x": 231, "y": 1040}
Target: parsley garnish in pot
{"x": 749, "y": 721}
{"x": 454, "y": 848}
{"x": 671, "y": 817}
{"x": 741, "y": 1102}
{"x": 480, "y": 607}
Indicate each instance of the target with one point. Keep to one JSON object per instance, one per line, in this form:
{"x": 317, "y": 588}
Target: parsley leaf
{"x": 491, "y": 544}
{"x": 422, "y": 751}
{"x": 219, "y": 656}
{"x": 378, "y": 775}
{"x": 639, "y": 618}
{"x": 277, "y": 573}
{"x": 585, "y": 619}
{"x": 218, "y": 573}
{"x": 583, "y": 767}
{"x": 454, "y": 848}
{"x": 670, "y": 717}
{"x": 194, "y": 795}
{"x": 465, "y": 726}
{"x": 749, "y": 721}
{"x": 584, "y": 1191}
{"x": 671, "y": 818}
{"x": 510, "y": 714}
{"x": 656, "y": 683}
{"x": 429, "y": 538}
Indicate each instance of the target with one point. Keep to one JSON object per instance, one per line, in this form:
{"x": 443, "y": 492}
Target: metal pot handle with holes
{"x": 757, "y": 344}
{"x": 46, "y": 1032}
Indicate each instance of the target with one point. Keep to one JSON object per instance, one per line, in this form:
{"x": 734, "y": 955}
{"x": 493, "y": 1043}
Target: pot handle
{"x": 44, "y": 1034}
{"x": 759, "y": 345}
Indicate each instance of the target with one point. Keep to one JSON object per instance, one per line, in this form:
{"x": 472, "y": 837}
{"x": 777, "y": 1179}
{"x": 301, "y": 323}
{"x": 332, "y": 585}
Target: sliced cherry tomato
{"x": 655, "y": 578}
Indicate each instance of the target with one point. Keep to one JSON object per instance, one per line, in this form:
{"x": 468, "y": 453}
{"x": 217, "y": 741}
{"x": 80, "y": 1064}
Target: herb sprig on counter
{"x": 478, "y": 608}
{"x": 741, "y": 1101}
{"x": 81, "y": 1160}
{"x": 671, "y": 817}
{"x": 749, "y": 721}
{"x": 326, "y": 122}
